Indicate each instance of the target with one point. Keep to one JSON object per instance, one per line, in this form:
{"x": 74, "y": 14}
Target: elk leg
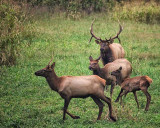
{"x": 123, "y": 93}
{"x": 73, "y": 116}
{"x": 120, "y": 100}
{"x": 148, "y": 96}
{"x": 66, "y": 103}
{"x": 135, "y": 96}
{"x": 100, "y": 105}
{"x": 111, "y": 91}
{"x": 119, "y": 96}
{"x": 108, "y": 101}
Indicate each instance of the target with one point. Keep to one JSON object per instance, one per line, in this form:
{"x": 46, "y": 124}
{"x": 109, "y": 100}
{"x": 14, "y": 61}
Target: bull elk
{"x": 132, "y": 85}
{"x": 70, "y": 87}
{"x": 108, "y": 68}
{"x": 109, "y": 51}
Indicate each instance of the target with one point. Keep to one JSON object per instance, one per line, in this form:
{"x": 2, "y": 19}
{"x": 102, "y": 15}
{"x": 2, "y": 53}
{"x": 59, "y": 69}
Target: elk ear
{"x": 97, "y": 41}
{"x": 47, "y": 67}
{"x": 98, "y": 58}
{"x": 90, "y": 58}
{"x": 120, "y": 68}
{"x": 53, "y": 65}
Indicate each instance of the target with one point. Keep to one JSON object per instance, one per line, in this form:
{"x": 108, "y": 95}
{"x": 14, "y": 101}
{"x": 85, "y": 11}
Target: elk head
{"x": 104, "y": 44}
{"x": 94, "y": 63}
{"x": 116, "y": 72}
{"x": 46, "y": 71}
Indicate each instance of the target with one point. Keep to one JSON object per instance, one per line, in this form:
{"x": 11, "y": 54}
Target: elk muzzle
{"x": 112, "y": 73}
{"x": 90, "y": 68}
{"x": 39, "y": 73}
{"x": 102, "y": 49}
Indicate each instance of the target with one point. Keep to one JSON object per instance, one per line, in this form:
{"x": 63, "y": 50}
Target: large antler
{"x": 120, "y": 30}
{"x": 93, "y": 35}
{"x": 111, "y": 39}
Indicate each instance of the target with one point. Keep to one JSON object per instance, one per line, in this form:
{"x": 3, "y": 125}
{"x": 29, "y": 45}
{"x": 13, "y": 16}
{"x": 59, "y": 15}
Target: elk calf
{"x": 77, "y": 87}
{"x": 109, "y": 51}
{"x": 108, "y": 68}
{"x": 132, "y": 85}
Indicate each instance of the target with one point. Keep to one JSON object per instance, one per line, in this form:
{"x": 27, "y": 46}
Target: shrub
{"x": 11, "y": 32}
{"x": 138, "y": 11}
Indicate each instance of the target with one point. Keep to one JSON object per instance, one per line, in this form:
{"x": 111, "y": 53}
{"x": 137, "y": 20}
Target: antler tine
{"x": 90, "y": 39}
{"x": 120, "y": 30}
{"x": 50, "y": 61}
{"x": 91, "y": 31}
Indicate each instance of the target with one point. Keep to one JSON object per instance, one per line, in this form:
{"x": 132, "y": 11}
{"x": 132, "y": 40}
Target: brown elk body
{"x": 132, "y": 85}
{"x": 108, "y": 68}
{"x": 70, "y": 87}
{"x": 109, "y": 51}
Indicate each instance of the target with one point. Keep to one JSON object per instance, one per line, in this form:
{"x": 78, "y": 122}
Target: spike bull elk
{"x": 70, "y": 87}
{"x": 109, "y": 51}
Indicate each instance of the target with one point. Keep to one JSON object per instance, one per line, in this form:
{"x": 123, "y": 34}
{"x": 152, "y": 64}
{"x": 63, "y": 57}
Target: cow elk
{"x": 108, "y": 68}
{"x": 132, "y": 85}
{"x": 70, "y": 87}
{"x": 109, "y": 51}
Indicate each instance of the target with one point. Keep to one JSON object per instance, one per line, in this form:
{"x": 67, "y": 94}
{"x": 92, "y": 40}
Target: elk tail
{"x": 103, "y": 81}
{"x": 149, "y": 79}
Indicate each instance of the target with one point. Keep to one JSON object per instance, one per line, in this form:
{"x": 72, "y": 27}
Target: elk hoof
{"x": 146, "y": 109}
{"x": 76, "y": 117}
{"x": 113, "y": 118}
{"x": 116, "y": 100}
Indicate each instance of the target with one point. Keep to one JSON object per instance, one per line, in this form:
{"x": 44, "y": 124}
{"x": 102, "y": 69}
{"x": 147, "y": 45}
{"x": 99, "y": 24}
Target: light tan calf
{"x": 132, "y": 85}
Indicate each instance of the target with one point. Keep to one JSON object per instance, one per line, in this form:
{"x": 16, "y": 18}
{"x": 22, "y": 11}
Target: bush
{"x": 11, "y": 32}
{"x": 138, "y": 11}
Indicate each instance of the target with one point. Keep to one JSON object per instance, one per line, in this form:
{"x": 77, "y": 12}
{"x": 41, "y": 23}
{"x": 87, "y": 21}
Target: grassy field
{"x": 27, "y": 100}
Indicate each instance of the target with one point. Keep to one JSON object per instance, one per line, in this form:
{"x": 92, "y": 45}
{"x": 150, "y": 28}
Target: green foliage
{"x": 76, "y": 7}
{"x": 138, "y": 11}
{"x": 27, "y": 100}
{"x": 12, "y": 32}
{"x": 10, "y": 20}
{"x": 73, "y": 10}
{"x": 147, "y": 11}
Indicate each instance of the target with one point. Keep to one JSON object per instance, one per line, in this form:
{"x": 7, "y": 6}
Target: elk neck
{"x": 98, "y": 71}
{"x": 53, "y": 81}
{"x": 119, "y": 79}
{"x": 107, "y": 56}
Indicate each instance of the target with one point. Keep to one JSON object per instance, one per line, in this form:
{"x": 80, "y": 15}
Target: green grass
{"x": 27, "y": 100}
